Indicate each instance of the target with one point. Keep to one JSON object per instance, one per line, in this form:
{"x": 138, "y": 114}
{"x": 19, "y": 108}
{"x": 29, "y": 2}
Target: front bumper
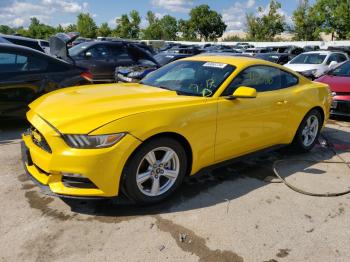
{"x": 340, "y": 107}
{"x": 98, "y": 170}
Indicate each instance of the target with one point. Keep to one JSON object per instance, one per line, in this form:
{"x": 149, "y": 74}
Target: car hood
{"x": 303, "y": 67}
{"x": 81, "y": 110}
{"x": 336, "y": 83}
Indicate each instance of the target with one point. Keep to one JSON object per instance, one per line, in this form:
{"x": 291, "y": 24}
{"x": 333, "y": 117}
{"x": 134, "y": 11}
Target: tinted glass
{"x": 263, "y": 79}
{"x": 76, "y": 50}
{"x": 342, "y": 70}
{"x": 195, "y": 78}
{"x": 19, "y": 63}
{"x": 120, "y": 52}
{"x": 99, "y": 51}
{"x": 309, "y": 59}
{"x": 12, "y": 63}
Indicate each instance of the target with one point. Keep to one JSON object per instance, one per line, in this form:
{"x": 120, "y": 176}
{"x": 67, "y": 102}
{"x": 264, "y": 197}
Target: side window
{"x": 263, "y": 79}
{"x": 99, "y": 51}
{"x": 332, "y": 57}
{"x": 10, "y": 62}
{"x": 120, "y": 52}
{"x": 341, "y": 58}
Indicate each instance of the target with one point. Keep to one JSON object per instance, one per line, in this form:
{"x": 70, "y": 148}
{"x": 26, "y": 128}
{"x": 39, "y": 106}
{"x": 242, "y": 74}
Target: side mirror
{"x": 88, "y": 54}
{"x": 243, "y": 92}
{"x": 333, "y": 63}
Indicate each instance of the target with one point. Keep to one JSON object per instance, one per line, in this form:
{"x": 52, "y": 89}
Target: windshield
{"x": 342, "y": 70}
{"x": 196, "y": 78}
{"x": 75, "y": 50}
{"x": 314, "y": 59}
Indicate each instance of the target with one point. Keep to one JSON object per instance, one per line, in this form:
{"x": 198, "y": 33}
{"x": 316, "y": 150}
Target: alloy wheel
{"x": 158, "y": 171}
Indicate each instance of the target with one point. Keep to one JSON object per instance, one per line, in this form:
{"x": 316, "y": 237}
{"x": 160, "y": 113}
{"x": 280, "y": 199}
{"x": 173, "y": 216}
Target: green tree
{"x": 104, "y": 30}
{"x": 71, "y": 28}
{"x": 169, "y": 27}
{"x": 154, "y": 28}
{"x": 306, "y": 25}
{"x": 334, "y": 15}
{"x": 86, "y": 25}
{"x": 208, "y": 24}
{"x": 128, "y": 27}
{"x": 187, "y": 30}
{"x": 60, "y": 29}
{"x": 135, "y": 21}
{"x": 4, "y": 29}
{"x": 39, "y": 30}
{"x": 266, "y": 25}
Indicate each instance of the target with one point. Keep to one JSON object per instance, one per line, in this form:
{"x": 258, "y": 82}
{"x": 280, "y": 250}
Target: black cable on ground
{"x": 301, "y": 191}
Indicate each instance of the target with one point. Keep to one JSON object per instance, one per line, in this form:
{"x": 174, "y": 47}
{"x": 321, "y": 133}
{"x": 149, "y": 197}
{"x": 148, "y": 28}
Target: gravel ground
{"x": 229, "y": 214}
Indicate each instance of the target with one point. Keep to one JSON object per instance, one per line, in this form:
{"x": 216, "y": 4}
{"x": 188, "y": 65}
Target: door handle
{"x": 284, "y": 102}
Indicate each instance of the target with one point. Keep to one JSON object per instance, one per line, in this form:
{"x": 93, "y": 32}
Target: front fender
{"x": 196, "y": 123}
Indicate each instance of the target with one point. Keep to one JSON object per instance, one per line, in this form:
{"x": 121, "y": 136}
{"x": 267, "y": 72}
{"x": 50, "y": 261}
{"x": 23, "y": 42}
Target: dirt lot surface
{"x": 230, "y": 214}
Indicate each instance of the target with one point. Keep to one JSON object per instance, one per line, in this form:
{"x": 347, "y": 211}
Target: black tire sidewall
{"x": 130, "y": 170}
{"x": 298, "y": 140}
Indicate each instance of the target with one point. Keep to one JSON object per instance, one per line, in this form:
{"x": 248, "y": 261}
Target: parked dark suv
{"x": 26, "y": 74}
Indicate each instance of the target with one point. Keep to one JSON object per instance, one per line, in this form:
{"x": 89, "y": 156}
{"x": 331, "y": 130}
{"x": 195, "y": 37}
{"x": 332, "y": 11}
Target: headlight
{"x": 135, "y": 74}
{"x": 310, "y": 72}
{"x": 91, "y": 142}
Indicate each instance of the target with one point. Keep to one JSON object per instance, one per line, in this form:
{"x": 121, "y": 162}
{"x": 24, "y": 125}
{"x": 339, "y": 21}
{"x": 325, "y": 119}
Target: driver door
{"x": 246, "y": 125}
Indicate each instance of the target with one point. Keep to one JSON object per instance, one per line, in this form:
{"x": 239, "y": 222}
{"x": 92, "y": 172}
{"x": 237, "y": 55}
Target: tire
{"x": 307, "y": 133}
{"x": 148, "y": 166}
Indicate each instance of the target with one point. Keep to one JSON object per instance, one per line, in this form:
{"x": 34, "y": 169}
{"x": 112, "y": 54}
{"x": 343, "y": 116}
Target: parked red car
{"x": 339, "y": 81}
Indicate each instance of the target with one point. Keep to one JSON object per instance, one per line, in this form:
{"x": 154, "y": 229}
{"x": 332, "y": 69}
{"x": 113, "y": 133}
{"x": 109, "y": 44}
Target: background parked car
{"x": 316, "y": 63}
{"x": 339, "y": 81}
{"x": 26, "y": 74}
{"x": 23, "y": 41}
{"x": 164, "y": 58}
{"x": 278, "y": 58}
{"x": 45, "y": 45}
{"x": 256, "y": 50}
{"x": 100, "y": 57}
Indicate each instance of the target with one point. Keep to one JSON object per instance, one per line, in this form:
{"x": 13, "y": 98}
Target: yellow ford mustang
{"x": 91, "y": 141}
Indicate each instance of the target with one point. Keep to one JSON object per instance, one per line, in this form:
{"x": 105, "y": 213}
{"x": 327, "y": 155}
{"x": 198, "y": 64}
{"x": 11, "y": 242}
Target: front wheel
{"x": 308, "y": 132}
{"x": 155, "y": 171}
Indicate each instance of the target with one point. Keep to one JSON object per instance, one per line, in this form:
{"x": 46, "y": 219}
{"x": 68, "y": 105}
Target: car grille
{"x": 39, "y": 139}
{"x": 343, "y": 107}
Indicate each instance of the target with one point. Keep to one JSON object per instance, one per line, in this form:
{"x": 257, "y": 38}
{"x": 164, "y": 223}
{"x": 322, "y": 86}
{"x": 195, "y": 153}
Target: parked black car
{"x": 26, "y": 74}
{"x": 23, "y": 41}
{"x": 278, "y": 58}
{"x": 288, "y": 49}
{"x": 164, "y": 58}
{"x": 100, "y": 57}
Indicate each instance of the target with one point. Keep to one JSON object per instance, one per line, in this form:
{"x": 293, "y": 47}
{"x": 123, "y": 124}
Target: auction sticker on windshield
{"x": 215, "y": 65}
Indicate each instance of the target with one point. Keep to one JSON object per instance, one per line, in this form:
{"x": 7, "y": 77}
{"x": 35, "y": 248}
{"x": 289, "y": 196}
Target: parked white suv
{"x": 316, "y": 63}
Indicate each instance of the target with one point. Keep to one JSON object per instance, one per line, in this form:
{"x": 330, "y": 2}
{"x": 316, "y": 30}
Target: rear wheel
{"x": 308, "y": 131}
{"x": 155, "y": 170}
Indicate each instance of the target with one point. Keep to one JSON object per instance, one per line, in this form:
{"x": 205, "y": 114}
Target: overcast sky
{"x": 54, "y": 12}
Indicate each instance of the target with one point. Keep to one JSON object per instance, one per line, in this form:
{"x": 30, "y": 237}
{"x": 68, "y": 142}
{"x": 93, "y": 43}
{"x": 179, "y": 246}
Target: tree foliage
{"x": 86, "y": 25}
{"x": 104, "y": 30}
{"x": 334, "y": 17}
{"x": 267, "y": 23}
{"x": 306, "y": 24}
{"x": 208, "y": 24}
{"x": 128, "y": 27}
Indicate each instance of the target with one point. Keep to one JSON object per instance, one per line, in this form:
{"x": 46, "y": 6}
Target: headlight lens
{"x": 135, "y": 74}
{"x": 91, "y": 142}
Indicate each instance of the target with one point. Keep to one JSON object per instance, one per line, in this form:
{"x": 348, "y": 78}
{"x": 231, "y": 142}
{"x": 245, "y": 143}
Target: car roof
{"x": 18, "y": 37}
{"x": 324, "y": 52}
{"x": 14, "y": 47}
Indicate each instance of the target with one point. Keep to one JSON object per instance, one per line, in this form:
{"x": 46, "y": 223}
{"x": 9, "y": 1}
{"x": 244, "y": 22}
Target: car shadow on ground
{"x": 11, "y": 130}
{"x": 223, "y": 184}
